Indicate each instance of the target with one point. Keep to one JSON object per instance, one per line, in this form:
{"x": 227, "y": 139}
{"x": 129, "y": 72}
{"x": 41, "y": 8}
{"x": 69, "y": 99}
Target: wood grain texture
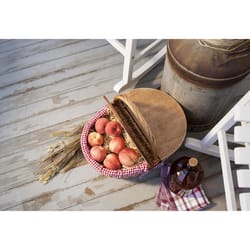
{"x": 46, "y": 85}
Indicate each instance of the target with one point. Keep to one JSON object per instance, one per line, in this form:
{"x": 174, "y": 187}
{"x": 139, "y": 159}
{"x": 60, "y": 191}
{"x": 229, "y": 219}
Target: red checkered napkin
{"x": 166, "y": 199}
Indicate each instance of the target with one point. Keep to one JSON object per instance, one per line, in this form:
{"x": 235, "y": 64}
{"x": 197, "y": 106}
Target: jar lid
{"x": 193, "y": 162}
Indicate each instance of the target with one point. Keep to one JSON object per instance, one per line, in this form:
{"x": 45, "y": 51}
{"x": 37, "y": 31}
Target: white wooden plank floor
{"x": 47, "y": 85}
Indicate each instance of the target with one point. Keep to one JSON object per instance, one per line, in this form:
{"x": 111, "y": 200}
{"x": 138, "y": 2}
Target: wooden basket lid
{"x": 154, "y": 120}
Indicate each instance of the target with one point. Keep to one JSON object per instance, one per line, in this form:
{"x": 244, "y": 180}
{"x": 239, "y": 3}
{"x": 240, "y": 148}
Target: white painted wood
{"x": 129, "y": 60}
{"x": 128, "y": 66}
{"x": 226, "y": 171}
{"x": 242, "y": 155}
{"x": 243, "y": 178}
{"x": 242, "y": 134}
{"x": 213, "y": 150}
{"x": 242, "y": 113}
{"x": 130, "y": 77}
{"x": 117, "y": 45}
{"x": 225, "y": 123}
{"x": 245, "y": 201}
{"x": 144, "y": 69}
{"x": 145, "y": 51}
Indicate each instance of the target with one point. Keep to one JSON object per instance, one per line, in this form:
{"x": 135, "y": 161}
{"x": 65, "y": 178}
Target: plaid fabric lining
{"x": 168, "y": 200}
{"x": 139, "y": 169}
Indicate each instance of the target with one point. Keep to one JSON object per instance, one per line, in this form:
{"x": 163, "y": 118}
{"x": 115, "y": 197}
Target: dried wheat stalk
{"x": 63, "y": 155}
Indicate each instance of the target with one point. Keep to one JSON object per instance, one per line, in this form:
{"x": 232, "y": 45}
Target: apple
{"x": 116, "y": 144}
{"x": 112, "y": 162}
{"x": 101, "y": 124}
{"x": 113, "y": 128}
{"x": 128, "y": 157}
{"x": 95, "y": 139}
{"x": 98, "y": 153}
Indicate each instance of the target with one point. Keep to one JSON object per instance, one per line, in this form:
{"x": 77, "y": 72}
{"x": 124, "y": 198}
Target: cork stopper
{"x": 193, "y": 162}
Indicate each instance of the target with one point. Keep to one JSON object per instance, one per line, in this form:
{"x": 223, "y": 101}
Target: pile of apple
{"x": 107, "y": 145}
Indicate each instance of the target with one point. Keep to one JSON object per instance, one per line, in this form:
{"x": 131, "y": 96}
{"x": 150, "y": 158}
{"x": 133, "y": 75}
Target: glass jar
{"x": 185, "y": 174}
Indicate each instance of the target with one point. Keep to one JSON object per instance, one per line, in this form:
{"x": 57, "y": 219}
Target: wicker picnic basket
{"x": 154, "y": 121}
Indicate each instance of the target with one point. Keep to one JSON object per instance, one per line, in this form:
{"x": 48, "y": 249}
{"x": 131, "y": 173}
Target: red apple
{"x": 116, "y": 144}
{"x": 128, "y": 157}
{"x": 95, "y": 139}
{"x": 112, "y": 162}
{"x": 98, "y": 153}
{"x": 113, "y": 128}
{"x": 101, "y": 124}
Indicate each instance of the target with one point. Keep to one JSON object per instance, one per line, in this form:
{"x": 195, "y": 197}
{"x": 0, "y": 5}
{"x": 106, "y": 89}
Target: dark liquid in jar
{"x": 182, "y": 176}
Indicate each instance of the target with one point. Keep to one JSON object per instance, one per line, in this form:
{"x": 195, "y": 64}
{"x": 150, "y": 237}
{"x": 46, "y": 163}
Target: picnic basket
{"x": 153, "y": 120}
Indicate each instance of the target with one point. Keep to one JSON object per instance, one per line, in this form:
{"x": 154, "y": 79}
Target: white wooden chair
{"x": 131, "y": 76}
{"x": 240, "y": 155}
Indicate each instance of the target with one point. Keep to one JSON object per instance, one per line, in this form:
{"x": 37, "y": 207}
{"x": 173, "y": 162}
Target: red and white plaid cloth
{"x": 168, "y": 200}
{"x": 139, "y": 169}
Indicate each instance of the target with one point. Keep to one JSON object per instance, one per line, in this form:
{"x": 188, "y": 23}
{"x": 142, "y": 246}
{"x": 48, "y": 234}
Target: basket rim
{"x": 136, "y": 170}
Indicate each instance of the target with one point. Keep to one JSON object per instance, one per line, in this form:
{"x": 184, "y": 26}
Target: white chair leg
{"x": 129, "y": 57}
{"x": 131, "y": 76}
{"x": 226, "y": 171}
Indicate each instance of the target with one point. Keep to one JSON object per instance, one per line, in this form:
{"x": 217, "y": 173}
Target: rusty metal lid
{"x": 209, "y": 62}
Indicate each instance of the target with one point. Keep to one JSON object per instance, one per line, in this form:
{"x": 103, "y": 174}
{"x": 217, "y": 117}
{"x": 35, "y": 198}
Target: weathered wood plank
{"x": 43, "y": 46}
{"x": 55, "y": 102}
{"x": 46, "y": 56}
{"x": 48, "y": 119}
{"x": 78, "y": 77}
{"x": 73, "y": 82}
{"x": 121, "y": 198}
{"x": 17, "y": 44}
{"x": 58, "y": 101}
{"x": 218, "y": 203}
{"x": 31, "y": 191}
{"x": 57, "y": 65}
{"x": 60, "y": 65}
{"x": 2, "y": 41}
{"x": 80, "y": 185}
{"x": 31, "y": 50}
{"x": 42, "y": 136}
{"x": 146, "y": 205}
